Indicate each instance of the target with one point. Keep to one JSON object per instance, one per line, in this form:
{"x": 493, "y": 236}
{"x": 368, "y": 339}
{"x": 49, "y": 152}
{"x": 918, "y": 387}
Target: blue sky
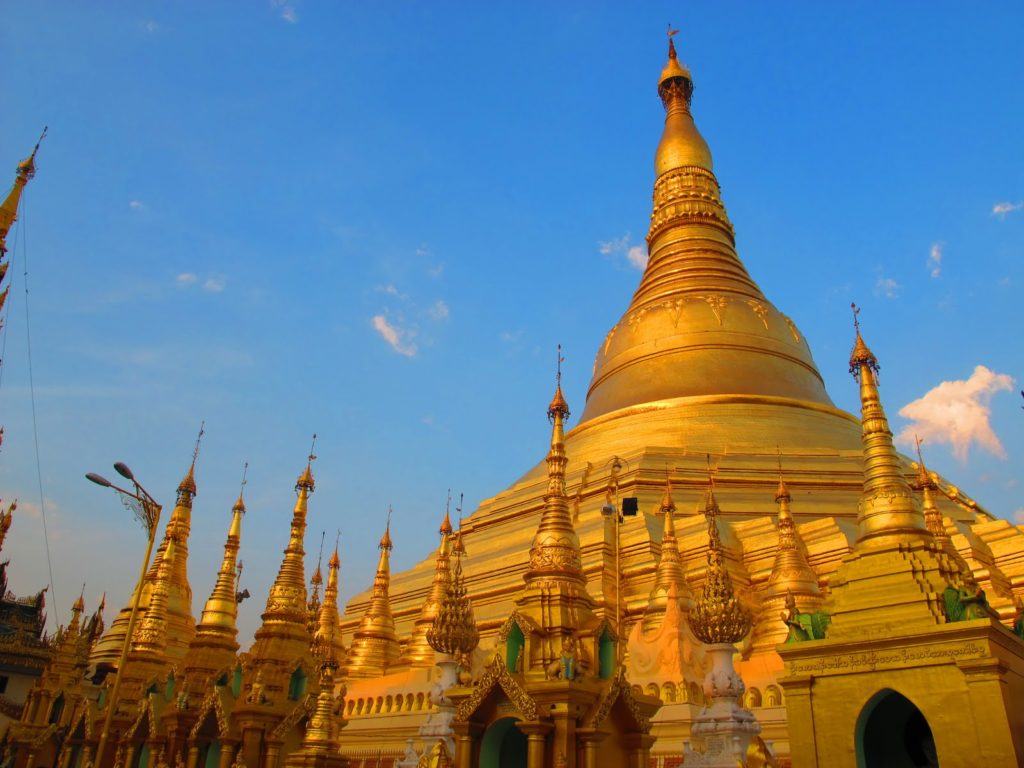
{"x": 231, "y": 193}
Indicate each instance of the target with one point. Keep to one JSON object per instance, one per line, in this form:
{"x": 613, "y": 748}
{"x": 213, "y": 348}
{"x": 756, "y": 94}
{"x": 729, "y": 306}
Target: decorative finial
{"x": 861, "y": 355}
{"x": 924, "y": 479}
{"x": 385, "y": 540}
{"x": 240, "y": 504}
{"x": 783, "y": 490}
{"x": 199, "y": 439}
{"x": 446, "y": 524}
{"x": 306, "y": 478}
{"x": 558, "y": 404}
{"x": 671, "y": 43}
{"x": 317, "y": 574}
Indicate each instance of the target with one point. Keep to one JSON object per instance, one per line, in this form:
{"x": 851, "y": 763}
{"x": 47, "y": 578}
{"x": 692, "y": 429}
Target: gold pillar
{"x": 591, "y": 740}
{"x": 272, "y": 753}
{"x": 638, "y": 745}
{"x": 86, "y": 754}
{"x": 192, "y": 761}
{"x": 536, "y": 734}
{"x": 800, "y": 720}
{"x": 227, "y": 754}
{"x": 466, "y": 737}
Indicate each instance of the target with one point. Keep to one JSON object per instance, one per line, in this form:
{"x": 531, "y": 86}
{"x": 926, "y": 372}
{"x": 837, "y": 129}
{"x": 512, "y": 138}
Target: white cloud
{"x": 1003, "y": 209}
{"x": 137, "y": 205}
{"x": 400, "y": 339}
{"x": 215, "y": 284}
{"x": 887, "y": 287}
{"x": 186, "y": 278}
{"x": 957, "y": 413}
{"x": 436, "y": 270}
{"x": 439, "y": 311}
{"x": 935, "y": 259}
{"x": 636, "y": 255}
{"x": 150, "y": 26}
{"x": 391, "y": 290}
{"x": 510, "y": 337}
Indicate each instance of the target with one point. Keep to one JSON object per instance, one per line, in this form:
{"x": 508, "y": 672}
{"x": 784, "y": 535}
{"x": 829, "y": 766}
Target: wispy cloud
{"x": 957, "y": 413}
{"x": 510, "y": 337}
{"x": 215, "y": 284}
{"x": 211, "y": 284}
{"x": 398, "y": 338}
{"x": 887, "y": 287}
{"x": 150, "y": 26}
{"x": 287, "y": 10}
{"x": 391, "y": 290}
{"x": 1005, "y": 208}
{"x": 935, "y": 259}
{"x": 137, "y": 205}
{"x": 439, "y": 310}
{"x": 635, "y": 255}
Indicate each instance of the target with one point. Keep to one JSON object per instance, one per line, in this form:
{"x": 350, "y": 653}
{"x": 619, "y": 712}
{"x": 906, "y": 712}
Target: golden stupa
{"x": 700, "y": 364}
{"x": 629, "y": 599}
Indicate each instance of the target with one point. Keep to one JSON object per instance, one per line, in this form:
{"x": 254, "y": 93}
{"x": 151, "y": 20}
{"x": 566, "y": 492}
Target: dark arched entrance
{"x": 503, "y": 745}
{"x": 892, "y": 733}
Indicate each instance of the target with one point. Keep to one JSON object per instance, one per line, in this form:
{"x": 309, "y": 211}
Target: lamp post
{"x": 613, "y": 510}
{"x": 147, "y": 510}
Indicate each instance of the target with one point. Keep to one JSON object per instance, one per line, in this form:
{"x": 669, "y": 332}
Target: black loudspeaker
{"x": 630, "y": 506}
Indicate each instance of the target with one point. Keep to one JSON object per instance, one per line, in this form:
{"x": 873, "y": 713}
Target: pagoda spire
{"x": 316, "y": 582}
{"x": 284, "y": 634}
{"x": 375, "y": 644}
{"x": 218, "y": 620}
{"x": 698, "y": 325}
{"x": 6, "y": 518}
{"x": 327, "y": 638}
{"x": 718, "y": 617}
{"x": 925, "y": 485}
{"x": 453, "y": 629}
{"x": 555, "y": 553}
{"x": 671, "y": 575}
{"x": 419, "y": 652}
{"x": 25, "y": 172}
{"x": 791, "y": 573}
{"x": 555, "y": 594}
{"x": 888, "y": 512}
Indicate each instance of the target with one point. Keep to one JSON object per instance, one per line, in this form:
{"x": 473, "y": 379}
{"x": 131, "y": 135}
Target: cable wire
{"x": 35, "y": 428}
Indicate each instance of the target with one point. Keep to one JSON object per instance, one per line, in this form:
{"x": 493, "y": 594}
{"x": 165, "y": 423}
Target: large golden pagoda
{"x": 770, "y": 525}
{"x": 700, "y": 363}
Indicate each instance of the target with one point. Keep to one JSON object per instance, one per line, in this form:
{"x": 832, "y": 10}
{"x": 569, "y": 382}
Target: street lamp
{"x": 612, "y": 510}
{"x": 147, "y": 511}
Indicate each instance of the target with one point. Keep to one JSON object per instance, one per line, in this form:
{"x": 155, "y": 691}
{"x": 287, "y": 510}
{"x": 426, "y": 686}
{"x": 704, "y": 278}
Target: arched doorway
{"x": 503, "y": 745}
{"x": 892, "y": 733}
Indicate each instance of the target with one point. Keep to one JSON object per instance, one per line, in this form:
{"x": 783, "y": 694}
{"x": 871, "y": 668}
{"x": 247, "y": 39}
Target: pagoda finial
{"x": 9, "y": 207}
{"x": 718, "y": 616}
{"x": 240, "y": 504}
{"x": 306, "y": 478}
{"x": 446, "y": 524}
{"x": 671, "y": 43}
{"x": 783, "y": 490}
{"x": 385, "y": 540}
{"x": 888, "y": 512}
{"x": 187, "y": 486}
{"x": 558, "y": 408}
{"x": 861, "y": 356}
